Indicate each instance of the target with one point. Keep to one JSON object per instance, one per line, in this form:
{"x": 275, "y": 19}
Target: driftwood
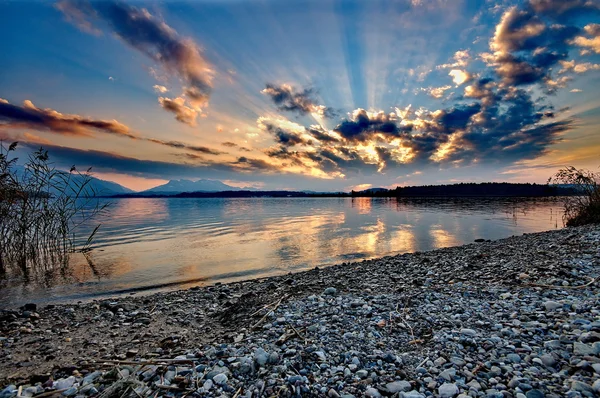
{"x": 271, "y": 307}
{"x": 590, "y": 283}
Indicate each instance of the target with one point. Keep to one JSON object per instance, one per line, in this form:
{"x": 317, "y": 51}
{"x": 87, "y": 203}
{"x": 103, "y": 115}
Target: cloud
{"x": 526, "y": 46}
{"x": 181, "y": 145}
{"x": 77, "y": 13}
{"x": 284, "y": 132}
{"x": 461, "y": 60}
{"x": 152, "y": 37}
{"x": 363, "y": 125}
{"x": 160, "y": 89}
{"x": 244, "y": 164}
{"x": 576, "y": 90}
{"x": 288, "y": 99}
{"x": 565, "y": 9}
{"x": 459, "y": 77}
{"x": 568, "y": 66}
{"x": 30, "y": 116}
{"x": 436, "y": 92}
{"x": 183, "y": 113}
{"x": 592, "y": 43}
{"x": 101, "y": 161}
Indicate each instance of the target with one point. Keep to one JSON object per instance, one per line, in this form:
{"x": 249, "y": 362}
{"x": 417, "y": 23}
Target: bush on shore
{"x": 40, "y": 209}
{"x": 584, "y": 207}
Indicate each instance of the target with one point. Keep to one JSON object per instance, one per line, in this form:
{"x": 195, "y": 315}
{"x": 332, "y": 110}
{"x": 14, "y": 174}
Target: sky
{"x": 295, "y": 94}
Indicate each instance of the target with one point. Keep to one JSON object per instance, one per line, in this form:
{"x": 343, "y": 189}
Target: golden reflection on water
{"x": 403, "y": 240}
{"x": 363, "y": 205}
{"x": 158, "y": 242}
{"x": 442, "y": 237}
{"x": 135, "y": 208}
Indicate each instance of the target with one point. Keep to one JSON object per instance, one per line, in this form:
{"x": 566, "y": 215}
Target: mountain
{"x": 178, "y": 186}
{"x": 95, "y": 187}
{"x": 107, "y": 188}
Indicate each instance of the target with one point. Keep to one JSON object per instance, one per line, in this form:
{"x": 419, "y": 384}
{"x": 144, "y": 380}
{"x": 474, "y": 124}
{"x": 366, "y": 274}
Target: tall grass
{"x": 41, "y": 209}
{"x": 583, "y": 207}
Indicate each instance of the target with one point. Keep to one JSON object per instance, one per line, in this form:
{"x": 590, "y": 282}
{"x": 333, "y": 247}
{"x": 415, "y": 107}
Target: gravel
{"x": 519, "y": 317}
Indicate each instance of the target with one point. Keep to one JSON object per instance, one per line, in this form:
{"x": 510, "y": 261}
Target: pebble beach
{"x": 517, "y": 317}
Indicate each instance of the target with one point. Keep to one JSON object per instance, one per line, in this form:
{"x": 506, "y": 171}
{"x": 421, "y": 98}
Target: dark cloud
{"x": 30, "y": 116}
{"x": 321, "y": 135}
{"x": 181, "y": 145}
{"x": 563, "y": 10}
{"x": 283, "y": 136}
{"x": 528, "y": 42}
{"x": 362, "y": 126}
{"x": 183, "y": 113}
{"x": 457, "y": 118}
{"x": 245, "y": 164}
{"x": 288, "y": 99}
{"x": 230, "y": 144}
{"x": 106, "y": 162}
{"x": 153, "y": 38}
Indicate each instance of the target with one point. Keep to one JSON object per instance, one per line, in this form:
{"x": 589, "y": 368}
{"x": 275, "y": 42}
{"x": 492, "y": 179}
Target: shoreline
{"x": 358, "y": 328}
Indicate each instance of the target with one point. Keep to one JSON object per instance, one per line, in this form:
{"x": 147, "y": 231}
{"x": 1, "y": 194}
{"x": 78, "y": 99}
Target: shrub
{"x": 583, "y": 207}
{"x": 40, "y": 210}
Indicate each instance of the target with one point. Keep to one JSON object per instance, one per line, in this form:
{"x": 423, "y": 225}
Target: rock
{"x": 412, "y": 394}
{"x": 261, "y": 357}
{"x": 208, "y": 384}
{"x": 514, "y": 358}
{"x": 362, "y": 373}
{"x": 548, "y": 360}
{"x": 372, "y": 392}
{"x": 552, "y": 305}
{"x": 398, "y": 386}
{"x": 448, "y": 390}
{"x": 596, "y": 386}
{"x": 217, "y": 370}
{"x": 468, "y": 332}
{"x": 582, "y": 349}
{"x": 534, "y": 394}
{"x": 474, "y": 384}
{"x": 330, "y": 291}
{"x": 30, "y": 307}
{"x": 131, "y": 353}
{"x": 577, "y": 385}
{"x": 220, "y": 379}
{"x": 62, "y": 384}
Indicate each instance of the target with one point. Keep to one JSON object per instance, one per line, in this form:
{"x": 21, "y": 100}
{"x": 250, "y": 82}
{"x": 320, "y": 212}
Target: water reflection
{"x": 145, "y": 243}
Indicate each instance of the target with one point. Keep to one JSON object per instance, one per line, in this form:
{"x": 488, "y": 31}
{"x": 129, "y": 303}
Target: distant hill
{"x": 179, "y": 186}
{"x": 107, "y": 188}
{"x": 96, "y": 186}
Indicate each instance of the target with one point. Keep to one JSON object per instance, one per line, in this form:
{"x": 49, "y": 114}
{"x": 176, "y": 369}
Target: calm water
{"x": 149, "y": 244}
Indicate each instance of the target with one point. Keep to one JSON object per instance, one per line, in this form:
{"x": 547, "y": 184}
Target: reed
{"x": 583, "y": 207}
{"x": 41, "y": 209}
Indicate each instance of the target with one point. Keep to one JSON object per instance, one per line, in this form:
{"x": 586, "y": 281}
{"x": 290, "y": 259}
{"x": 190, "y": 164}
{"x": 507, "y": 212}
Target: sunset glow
{"x": 304, "y": 95}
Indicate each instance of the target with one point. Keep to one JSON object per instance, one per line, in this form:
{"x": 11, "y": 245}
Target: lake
{"x": 147, "y": 244}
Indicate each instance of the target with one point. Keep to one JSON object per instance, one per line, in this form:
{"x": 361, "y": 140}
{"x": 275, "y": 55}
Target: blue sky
{"x": 324, "y": 95}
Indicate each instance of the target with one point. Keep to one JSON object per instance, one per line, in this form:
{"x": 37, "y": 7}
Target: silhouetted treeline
{"x": 502, "y": 189}
{"x": 486, "y": 189}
